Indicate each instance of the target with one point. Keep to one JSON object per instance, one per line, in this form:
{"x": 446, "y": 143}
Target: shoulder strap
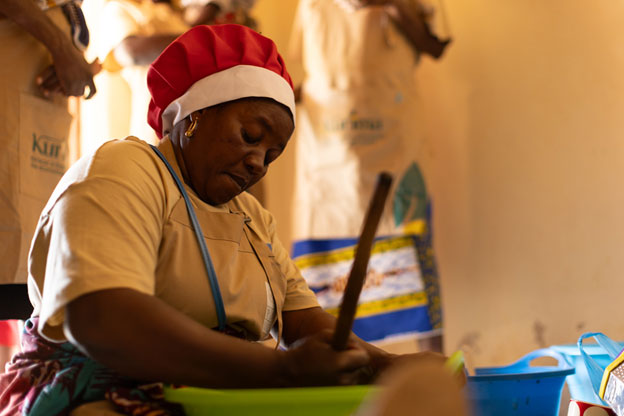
{"x": 212, "y": 275}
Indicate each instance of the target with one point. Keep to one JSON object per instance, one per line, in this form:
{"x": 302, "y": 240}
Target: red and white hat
{"x": 209, "y": 65}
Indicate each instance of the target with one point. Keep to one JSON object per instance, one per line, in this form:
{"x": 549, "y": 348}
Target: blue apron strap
{"x": 212, "y": 275}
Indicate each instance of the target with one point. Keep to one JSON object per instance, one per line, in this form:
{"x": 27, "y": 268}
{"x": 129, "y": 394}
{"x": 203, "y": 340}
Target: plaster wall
{"x": 524, "y": 158}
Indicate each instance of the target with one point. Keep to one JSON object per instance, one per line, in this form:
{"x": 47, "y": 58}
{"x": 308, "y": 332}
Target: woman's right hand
{"x": 312, "y": 361}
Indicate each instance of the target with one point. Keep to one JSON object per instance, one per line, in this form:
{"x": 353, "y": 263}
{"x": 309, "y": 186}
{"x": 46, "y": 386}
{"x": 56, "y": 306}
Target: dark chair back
{"x": 14, "y": 302}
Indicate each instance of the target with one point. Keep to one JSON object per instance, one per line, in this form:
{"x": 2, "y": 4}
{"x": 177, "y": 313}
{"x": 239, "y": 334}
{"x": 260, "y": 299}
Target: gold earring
{"x": 191, "y": 129}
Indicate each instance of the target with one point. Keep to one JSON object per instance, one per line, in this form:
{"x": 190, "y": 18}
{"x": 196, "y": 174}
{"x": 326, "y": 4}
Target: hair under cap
{"x": 210, "y": 65}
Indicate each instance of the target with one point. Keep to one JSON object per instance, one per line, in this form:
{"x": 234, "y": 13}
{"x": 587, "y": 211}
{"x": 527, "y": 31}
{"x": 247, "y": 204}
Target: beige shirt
{"x": 117, "y": 220}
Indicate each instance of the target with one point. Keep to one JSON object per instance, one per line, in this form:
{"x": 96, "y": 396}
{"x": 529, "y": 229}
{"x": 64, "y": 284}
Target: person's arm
{"x": 141, "y": 337}
{"x": 142, "y": 50}
{"x": 204, "y": 14}
{"x": 411, "y": 21}
{"x": 74, "y": 74}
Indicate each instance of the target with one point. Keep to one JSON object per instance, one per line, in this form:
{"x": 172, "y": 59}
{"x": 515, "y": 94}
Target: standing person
{"x": 357, "y": 117}
{"x": 150, "y": 264}
{"x": 136, "y": 32}
{"x": 41, "y": 67}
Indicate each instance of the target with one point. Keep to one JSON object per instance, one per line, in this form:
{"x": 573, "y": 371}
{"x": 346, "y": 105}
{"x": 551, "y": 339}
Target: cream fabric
{"x": 26, "y": 116}
{"x": 358, "y": 114}
{"x": 121, "y": 19}
{"x": 117, "y": 220}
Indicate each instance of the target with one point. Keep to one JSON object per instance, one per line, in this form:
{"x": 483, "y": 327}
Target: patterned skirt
{"x": 49, "y": 379}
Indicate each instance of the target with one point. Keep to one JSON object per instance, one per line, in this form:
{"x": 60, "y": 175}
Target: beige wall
{"x": 526, "y": 121}
{"x": 525, "y": 160}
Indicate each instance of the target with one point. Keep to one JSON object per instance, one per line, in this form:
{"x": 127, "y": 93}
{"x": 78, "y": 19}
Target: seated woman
{"x": 150, "y": 264}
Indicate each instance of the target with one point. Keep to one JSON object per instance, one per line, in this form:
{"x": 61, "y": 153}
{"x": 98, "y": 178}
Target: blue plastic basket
{"x": 579, "y": 384}
{"x": 519, "y": 389}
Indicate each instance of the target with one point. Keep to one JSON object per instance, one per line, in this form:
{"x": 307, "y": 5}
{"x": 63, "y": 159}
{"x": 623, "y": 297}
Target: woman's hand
{"x": 316, "y": 324}
{"x": 313, "y": 362}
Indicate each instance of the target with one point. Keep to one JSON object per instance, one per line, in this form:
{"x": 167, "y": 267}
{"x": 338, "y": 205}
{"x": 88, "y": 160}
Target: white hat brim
{"x": 234, "y": 83}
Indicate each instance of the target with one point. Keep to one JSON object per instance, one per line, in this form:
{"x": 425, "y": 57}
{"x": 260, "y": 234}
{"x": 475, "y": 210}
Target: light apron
{"x": 33, "y": 144}
{"x": 239, "y": 267}
{"x": 360, "y": 115}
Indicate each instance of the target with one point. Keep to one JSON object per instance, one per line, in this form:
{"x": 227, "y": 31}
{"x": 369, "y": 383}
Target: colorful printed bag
{"x": 401, "y": 294}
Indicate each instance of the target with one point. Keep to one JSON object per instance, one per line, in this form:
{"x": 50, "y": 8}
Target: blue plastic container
{"x": 519, "y": 389}
{"x": 579, "y": 384}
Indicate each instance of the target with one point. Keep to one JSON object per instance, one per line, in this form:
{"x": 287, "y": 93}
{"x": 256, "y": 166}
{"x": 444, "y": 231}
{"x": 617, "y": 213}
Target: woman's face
{"x": 232, "y": 146}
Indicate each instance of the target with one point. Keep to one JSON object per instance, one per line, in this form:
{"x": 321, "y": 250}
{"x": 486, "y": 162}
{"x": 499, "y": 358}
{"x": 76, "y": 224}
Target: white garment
{"x": 357, "y": 118}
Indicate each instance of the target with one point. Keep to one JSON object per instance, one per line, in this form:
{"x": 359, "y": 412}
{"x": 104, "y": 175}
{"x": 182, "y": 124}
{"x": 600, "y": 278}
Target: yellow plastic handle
{"x": 607, "y": 372}
{"x": 455, "y": 363}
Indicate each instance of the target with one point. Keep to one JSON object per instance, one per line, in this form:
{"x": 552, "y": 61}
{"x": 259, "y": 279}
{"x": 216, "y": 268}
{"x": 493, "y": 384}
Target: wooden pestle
{"x": 357, "y": 275}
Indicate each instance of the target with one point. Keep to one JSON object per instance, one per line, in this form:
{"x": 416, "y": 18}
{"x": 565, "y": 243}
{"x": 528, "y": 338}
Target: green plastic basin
{"x": 312, "y": 401}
